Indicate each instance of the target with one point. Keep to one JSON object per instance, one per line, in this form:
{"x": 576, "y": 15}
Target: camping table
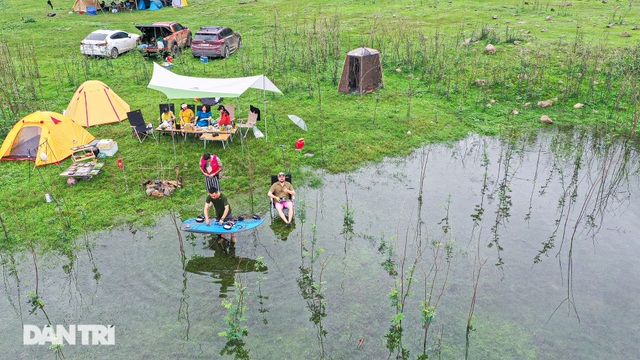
{"x": 83, "y": 170}
{"x": 196, "y": 130}
{"x": 223, "y": 138}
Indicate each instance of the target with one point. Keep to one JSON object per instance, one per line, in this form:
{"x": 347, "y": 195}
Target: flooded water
{"x": 507, "y": 249}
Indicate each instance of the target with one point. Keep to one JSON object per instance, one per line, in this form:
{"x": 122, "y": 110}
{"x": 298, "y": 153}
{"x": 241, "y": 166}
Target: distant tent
{"x": 150, "y": 5}
{"x": 81, "y": 5}
{"x": 44, "y": 137}
{"x": 362, "y": 71}
{"x": 94, "y": 103}
{"x": 179, "y": 3}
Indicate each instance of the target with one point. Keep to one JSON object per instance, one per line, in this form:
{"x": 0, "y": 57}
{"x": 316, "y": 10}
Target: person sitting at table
{"x": 224, "y": 118}
{"x": 167, "y": 118}
{"x": 203, "y": 117}
{"x": 186, "y": 115}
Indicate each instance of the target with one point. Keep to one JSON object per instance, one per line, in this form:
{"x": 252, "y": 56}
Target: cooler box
{"x": 92, "y": 11}
{"x": 108, "y": 147}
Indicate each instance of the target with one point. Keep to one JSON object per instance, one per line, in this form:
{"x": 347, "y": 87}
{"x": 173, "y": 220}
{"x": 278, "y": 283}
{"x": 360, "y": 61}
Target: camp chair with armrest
{"x": 250, "y": 122}
{"x": 274, "y": 179}
{"x": 139, "y": 129}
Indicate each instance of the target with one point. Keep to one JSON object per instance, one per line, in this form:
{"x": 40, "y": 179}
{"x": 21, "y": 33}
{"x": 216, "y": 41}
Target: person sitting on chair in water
{"x": 280, "y": 193}
{"x": 221, "y": 205}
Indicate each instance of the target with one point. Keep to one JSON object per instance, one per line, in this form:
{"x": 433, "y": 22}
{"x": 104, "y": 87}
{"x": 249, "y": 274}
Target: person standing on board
{"x": 222, "y": 208}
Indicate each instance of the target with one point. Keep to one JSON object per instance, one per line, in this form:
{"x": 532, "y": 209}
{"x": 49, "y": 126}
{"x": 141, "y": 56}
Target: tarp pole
{"x": 264, "y": 108}
{"x": 241, "y": 140}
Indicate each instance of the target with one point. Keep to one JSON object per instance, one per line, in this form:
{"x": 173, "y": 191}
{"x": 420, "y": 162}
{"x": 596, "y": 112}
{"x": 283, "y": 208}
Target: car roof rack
{"x": 211, "y": 28}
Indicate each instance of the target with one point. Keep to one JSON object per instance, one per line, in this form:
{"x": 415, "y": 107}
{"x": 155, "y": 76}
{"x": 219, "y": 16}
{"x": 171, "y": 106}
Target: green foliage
{"x": 235, "y": 315}
{"x": 347, "y": 219}
{"x": 427, "y": 313}
{"x": 388, "y": 263}
{"x": 35, "y": 301}
{"x": 311, "y": 285}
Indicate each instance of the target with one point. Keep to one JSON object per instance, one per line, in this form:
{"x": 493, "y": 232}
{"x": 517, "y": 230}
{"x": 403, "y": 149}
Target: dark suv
{"x": 215, "y": 41}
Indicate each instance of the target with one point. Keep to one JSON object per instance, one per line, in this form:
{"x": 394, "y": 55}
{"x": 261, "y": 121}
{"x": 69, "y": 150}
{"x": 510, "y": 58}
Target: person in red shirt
{"x": 224, "y": 118}
{"x": 210, "y": 165}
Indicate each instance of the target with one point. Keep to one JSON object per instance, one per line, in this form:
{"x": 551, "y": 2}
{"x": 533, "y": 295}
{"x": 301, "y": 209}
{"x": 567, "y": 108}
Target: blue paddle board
{"x": 191, "y": 225}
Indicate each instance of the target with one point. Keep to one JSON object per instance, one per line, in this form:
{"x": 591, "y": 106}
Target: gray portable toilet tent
{"x": 362, "y": 71}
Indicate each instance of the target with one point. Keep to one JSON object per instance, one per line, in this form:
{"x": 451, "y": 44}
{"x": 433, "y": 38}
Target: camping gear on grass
{"x": 160, "y": 188}
{"x": 44, "y": 137}
{"x": 80, "y": 6}
{"x": 298, "y": 121}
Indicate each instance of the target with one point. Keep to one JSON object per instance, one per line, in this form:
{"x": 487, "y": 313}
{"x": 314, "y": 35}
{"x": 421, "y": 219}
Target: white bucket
{"x": 48, "y": 197}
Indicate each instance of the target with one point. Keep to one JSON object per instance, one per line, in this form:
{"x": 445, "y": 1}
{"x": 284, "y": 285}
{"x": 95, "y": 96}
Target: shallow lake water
{"x": 522, "y": 248}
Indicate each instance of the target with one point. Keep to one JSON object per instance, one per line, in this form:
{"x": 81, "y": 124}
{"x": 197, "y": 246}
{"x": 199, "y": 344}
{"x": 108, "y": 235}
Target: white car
{"x": 109, "y": 43}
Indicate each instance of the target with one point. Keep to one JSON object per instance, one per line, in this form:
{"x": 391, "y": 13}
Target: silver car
{"x": 109, "y": 43}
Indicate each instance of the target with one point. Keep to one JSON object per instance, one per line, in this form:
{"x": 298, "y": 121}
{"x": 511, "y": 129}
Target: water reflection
{"x": 9, "y": 276}
{"x": 312, "y": 286}
{"x": 223, "y": 265}
{"x": 281, "y": 230}
{"x": 417, "y": 238}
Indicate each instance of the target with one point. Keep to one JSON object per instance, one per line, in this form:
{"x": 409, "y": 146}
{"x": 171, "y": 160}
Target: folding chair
{"x": 139, "y": 129}
{"x": 252, "y": 120}
{"x": 274, "y": 179}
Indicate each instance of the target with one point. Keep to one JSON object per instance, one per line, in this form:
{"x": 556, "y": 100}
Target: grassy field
{"x": 439, "y": 85}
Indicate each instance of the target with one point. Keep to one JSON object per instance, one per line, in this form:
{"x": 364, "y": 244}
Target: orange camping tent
{"x": 94, "y": 103}
{"x": 44, "y": 137}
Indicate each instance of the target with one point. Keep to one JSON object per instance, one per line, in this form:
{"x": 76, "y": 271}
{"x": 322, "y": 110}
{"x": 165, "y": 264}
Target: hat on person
{"x": 280, "y": 173}
{"x": 184, "y": 106}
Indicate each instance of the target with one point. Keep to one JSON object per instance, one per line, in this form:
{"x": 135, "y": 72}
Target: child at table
{"x": 224, "y": 118}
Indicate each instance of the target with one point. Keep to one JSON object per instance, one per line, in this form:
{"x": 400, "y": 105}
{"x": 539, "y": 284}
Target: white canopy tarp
{"x": 176, "y": 86}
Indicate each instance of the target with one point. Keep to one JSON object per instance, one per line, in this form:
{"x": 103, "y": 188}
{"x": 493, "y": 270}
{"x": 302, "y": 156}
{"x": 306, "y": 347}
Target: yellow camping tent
{"x": 94, "y": 103}
{"x": 44, "y": 137}
{"x": 81, "y": 5}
